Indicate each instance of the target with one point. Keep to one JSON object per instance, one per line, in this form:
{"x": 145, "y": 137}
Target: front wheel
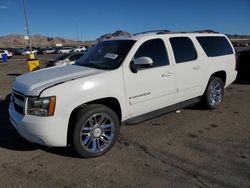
{"x": 214, "y": 93}
{"x": 96, "y": 130}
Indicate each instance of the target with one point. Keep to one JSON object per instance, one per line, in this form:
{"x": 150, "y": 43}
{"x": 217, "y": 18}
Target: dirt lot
{"x": 194, "y": 148}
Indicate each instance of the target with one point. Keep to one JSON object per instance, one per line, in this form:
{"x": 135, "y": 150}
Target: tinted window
{"x": 155, "y": 49}
{"x": 215, "y": 46}
{"x": 183, "y": 49}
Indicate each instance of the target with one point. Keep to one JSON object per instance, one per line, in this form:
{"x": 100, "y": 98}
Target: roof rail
{"x": 153, "y": 31}
{"x": 205, "y": 31}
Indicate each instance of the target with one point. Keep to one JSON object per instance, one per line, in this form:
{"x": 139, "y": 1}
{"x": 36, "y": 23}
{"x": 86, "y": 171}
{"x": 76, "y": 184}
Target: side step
{"x": 160, "y": 112}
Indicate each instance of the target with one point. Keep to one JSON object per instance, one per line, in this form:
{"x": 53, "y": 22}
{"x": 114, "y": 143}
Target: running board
{"x": 160, "y": 112}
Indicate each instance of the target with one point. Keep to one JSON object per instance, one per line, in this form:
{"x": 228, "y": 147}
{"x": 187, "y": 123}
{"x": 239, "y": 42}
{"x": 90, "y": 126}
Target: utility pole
{"x": 27, "y": 26}
{"x": 77, "y": 34}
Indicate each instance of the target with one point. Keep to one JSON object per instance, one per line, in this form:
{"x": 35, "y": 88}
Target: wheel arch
{"x": 220, "y": 74}
{"x": 110, "y": 102}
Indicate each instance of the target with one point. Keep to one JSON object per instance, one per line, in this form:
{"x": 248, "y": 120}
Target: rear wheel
{"x": 96, "y": 130}
{"x": 214, "y": 93}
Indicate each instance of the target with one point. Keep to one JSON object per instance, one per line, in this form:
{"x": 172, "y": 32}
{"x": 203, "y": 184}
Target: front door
{"x": 150, "y": 87}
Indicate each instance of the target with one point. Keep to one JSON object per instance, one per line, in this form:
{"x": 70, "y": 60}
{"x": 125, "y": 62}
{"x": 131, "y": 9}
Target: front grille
{"x": 19, "y": 101}
{"x": 18, "y": 96}
{"x": 18, "y": 109}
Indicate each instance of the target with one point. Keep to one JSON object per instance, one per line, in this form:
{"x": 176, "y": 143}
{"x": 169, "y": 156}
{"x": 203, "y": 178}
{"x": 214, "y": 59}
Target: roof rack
{"x": 205, "y": 31}
{"x": 153, "y": 31}
{"x": 159, "y": 32}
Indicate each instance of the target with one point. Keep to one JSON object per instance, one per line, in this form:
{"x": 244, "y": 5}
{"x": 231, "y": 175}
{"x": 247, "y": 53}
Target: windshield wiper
{"x": 88, "y": 65}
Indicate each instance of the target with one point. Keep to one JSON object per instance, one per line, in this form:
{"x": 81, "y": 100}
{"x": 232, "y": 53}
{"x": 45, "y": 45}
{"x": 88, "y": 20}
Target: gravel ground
{"x": 194, "y": 148}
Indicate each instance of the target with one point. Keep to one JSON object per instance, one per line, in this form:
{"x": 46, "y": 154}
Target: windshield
{"x": 106, "y": 55}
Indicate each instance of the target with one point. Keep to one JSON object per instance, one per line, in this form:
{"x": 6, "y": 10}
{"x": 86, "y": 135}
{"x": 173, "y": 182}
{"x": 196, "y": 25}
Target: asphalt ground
{"x": 193, "y": 148}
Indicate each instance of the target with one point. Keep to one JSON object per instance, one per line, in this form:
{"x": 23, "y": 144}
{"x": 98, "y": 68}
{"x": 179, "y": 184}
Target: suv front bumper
{"x": 49, "y": 131}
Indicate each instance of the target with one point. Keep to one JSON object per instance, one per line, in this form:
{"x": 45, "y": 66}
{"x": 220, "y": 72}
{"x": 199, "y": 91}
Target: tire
{"x": 214, "y": 93}
{"x": 95, "y": 131}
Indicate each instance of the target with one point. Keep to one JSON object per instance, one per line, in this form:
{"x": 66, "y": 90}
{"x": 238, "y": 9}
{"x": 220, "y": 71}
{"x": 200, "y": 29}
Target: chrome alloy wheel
{"x": 97, "y": 133}
{"x": 216, "y": 93}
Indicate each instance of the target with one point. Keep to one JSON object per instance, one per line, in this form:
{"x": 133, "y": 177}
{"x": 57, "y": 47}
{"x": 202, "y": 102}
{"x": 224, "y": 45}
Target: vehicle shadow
{"x": 11, "y": 140}
{"x": 243, "y": 67}
{"x": 14, "y": 74}
{"x": 243, "y": 79}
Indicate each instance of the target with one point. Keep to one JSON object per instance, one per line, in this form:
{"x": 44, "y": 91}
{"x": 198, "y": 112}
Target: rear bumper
{"x": 49, "y": 131}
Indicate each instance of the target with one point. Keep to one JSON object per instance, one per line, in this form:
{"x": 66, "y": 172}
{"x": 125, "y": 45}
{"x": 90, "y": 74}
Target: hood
{"x": 32, "y": 84}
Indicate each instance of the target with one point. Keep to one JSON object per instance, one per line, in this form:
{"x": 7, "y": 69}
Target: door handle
{"x": 167, "y": 74}
{"x": 197, "y": 67}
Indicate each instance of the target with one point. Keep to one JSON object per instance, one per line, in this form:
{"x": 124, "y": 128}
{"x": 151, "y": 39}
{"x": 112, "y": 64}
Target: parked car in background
{"x": 49, "y": 50}
{"x": 7, "y": 52}
{"x": 57, "y": 49}
{"x": 40, "y": 50}
{"x": 12, "y": 50}
{"x": 79, "y": 49}
{"x": 65, "y": 50}
{"x": 65, "y": 59}
{"x": 33, "y": 51}
{"x": 19, "y": 51}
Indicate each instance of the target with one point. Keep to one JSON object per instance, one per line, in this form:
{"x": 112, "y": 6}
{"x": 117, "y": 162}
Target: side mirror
{"x": 143, "y": 61}
{"x": 139, "y": 63}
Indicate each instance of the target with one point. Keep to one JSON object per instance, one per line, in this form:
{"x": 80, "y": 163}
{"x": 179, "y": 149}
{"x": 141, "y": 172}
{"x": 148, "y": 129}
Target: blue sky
{"x": 87, "y": 20}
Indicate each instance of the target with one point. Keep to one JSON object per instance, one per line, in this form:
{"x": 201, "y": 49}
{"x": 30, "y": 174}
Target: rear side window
{"x": 215, "y": 46}
{"x": 183, "y": 49}
{"x": 155, "y": 49}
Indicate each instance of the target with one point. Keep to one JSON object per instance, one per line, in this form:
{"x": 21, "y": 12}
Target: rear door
{"x": 188, "y": 68}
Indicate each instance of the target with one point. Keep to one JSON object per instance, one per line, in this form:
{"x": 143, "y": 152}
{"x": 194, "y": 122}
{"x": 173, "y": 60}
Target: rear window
{"x": 183, "y": 49}
{"x": 215, "y": 46}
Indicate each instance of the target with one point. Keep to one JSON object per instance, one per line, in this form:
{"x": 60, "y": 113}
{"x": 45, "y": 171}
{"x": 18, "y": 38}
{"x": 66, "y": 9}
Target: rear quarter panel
{"x": 212, "y": 65}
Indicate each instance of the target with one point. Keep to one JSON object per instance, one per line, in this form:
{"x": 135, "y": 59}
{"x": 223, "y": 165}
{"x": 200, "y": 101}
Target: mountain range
{"x": 16, "y": 40}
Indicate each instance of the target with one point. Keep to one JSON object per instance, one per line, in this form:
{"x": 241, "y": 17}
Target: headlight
{"x": 44, "y": 106}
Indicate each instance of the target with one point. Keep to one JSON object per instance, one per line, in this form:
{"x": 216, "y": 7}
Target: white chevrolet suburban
{"x": 128, "y": 79}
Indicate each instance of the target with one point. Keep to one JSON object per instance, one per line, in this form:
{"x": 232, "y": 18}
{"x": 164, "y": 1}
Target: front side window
{"x": 183, "y": 49}
{"x": 215, "y": 45}
{"x": 156, "y": 50}
{"x": 107, "y": 55}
